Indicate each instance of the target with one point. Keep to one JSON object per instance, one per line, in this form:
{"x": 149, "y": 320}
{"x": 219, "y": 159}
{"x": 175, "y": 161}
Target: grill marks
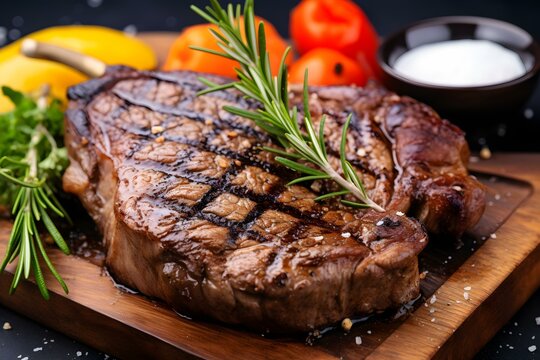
{"x": 208, "y": 165}
{"x": 244, "y": 252}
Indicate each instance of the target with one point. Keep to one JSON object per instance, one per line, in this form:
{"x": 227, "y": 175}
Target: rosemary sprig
{"x": 247, "y": 46}
{"x": 30, "y": 162}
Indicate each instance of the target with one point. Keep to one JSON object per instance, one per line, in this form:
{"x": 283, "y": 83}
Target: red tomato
{"x": 327, "y": 67}
{"x": 181, "y": 57}
{"x": 335, "y": 24}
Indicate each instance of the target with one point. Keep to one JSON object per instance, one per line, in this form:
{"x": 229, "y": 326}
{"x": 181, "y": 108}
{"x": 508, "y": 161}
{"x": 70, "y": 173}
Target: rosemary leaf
{"x": 247, "y": 44}
{"x": 31, "y": 162}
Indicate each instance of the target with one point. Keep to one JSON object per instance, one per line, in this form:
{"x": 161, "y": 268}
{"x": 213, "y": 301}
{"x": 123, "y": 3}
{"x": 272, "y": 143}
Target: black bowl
{"x": 463, "y": 101}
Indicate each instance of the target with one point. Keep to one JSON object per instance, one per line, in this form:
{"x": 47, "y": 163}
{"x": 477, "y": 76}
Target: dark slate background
{"x": 17, "y": 18}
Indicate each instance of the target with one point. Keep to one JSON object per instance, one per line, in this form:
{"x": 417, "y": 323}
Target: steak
{"x": 194, "y": 212}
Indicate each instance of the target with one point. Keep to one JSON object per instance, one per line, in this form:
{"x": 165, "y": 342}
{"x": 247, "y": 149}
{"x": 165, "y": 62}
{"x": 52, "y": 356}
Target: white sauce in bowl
{"x": 460, "y": 63}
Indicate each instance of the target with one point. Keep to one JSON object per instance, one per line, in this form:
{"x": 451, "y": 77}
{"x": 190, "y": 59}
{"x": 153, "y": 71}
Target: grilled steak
{"x": 195, "y": 213}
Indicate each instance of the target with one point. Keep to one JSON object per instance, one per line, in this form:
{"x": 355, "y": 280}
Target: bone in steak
{"x": 194, "y": 213}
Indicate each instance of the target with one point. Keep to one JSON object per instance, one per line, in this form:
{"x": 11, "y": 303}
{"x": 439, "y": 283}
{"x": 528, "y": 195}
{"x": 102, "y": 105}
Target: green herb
{"x": 247, "y": 46}
{"x": 31, "y": 162}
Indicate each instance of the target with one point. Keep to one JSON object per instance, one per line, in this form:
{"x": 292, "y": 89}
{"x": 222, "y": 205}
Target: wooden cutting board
{"x": 503, "y": 270}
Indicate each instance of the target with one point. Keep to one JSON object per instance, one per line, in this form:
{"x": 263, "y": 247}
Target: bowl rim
{"x": 534, "y": 45}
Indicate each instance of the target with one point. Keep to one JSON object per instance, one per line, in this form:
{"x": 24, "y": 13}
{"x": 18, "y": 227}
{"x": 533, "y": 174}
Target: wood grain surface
{"x": 502, "y": 272}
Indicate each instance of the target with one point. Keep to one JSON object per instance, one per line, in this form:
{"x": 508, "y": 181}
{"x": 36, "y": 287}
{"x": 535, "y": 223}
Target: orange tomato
{"x": 327, "y": 67}
{"x": 181, "y": 57}
{"x": 335, "y": 24}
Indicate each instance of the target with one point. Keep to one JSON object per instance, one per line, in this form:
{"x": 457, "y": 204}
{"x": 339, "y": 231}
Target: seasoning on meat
{"x": 211, "y": 227}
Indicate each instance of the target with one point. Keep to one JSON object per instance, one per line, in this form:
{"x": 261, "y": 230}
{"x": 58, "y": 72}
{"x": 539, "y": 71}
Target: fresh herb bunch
{"x": 31, "y": 161}
{"x": 247, "y": 46}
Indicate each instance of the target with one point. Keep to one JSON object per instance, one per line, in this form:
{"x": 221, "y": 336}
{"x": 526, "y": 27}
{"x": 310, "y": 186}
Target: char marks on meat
{"x": 195, "y": 213}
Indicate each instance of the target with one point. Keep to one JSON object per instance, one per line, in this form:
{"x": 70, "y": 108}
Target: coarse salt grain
{"x": 399, "y": 213}
{"x": 361, "y": 152}
{"x": 532, "y": 348}
{"x": 466, "y": 295}
{"x": 493, "y": 236}
{"x": 433, "y": 299}
{"x": 485, "y": 153}
{"x": 346, "y": 235}
{"x": 157, "y": 129}
{"x": 379, "y": 223}
{"x": 369, "y": 332}
{"x": 7, "y": 326}
{"x": 346, "y": 324}
{"x": 467, "y": 288}
{"x": 38, "y": 349}
{"x": 318, "y": 238}
{"x": 432, "y": 319}
{"x": 79, "y": 353}
{"x": 457, "y": 188}
{"x": 537, "y": 321}
{"x": 358, "y": 340}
